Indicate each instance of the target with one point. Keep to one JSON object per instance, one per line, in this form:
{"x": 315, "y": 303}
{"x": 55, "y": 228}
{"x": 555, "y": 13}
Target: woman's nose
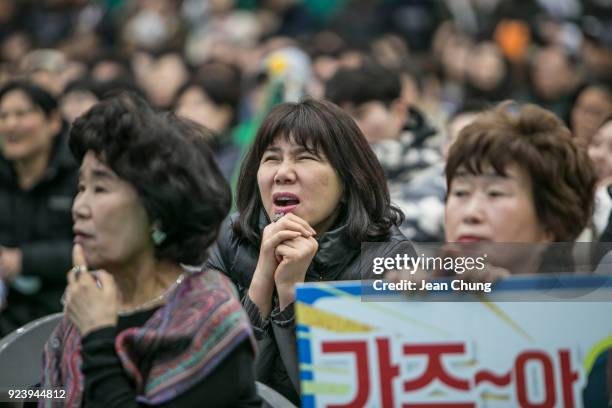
{"x": 473, "y": 211}
{"x": 80, "y": 209}
{"x": 285, "y": 173}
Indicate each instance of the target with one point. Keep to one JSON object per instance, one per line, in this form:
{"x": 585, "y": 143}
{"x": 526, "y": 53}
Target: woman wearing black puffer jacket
{"x": 310, "y": 192}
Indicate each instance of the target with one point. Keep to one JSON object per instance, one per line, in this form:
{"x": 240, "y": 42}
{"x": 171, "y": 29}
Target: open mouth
{"x": 285, "y": 202}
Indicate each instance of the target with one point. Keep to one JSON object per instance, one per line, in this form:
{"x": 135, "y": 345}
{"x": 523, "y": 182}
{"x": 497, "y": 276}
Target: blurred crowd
{"x": 213, "y": 60}
{"x": 225, "y": 63}
{"x": 412, "y": 74}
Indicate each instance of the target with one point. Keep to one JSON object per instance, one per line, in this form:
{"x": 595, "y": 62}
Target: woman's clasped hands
{"x": 287, "y": 249}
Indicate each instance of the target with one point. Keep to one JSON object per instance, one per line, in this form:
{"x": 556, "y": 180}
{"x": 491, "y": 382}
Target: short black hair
{"x": 222, "y": 84}
{"x": 39, "y": 97}
{"x": 321, "y": 126}
{"x": 369, "y": 82}
{"x": 168, "y": 163}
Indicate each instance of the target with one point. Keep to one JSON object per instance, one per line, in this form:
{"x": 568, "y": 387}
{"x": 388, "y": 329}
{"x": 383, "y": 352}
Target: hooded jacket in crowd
{"x": 415, "y": 174}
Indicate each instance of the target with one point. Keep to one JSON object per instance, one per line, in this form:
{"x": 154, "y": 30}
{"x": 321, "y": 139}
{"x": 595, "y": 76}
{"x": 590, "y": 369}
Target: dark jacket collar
{"x": 60, "y": 161}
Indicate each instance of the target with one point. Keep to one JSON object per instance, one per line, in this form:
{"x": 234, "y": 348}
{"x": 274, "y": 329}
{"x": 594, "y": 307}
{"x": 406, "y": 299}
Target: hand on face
{"x": 274, "y": 234}
{"x": 88, "y": 304}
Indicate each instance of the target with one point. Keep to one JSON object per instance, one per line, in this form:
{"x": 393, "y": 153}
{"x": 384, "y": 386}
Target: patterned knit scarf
{"x": 182, "y": 342}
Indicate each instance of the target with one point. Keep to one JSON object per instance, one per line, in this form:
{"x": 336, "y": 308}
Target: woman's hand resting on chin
{"x": 88, "y": 304}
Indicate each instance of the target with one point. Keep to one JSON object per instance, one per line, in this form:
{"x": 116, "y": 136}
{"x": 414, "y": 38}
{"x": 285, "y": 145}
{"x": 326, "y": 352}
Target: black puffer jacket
{"x": 338, "y": 258}
{"x": 39, "y": 222}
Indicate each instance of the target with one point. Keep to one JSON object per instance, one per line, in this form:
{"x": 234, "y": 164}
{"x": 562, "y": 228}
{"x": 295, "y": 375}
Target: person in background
{"x": 305, "y": 204}
{"x": 488, "y": 74}
{"x": 399, "y": 135}
{"x": 46, "y": 68}
{"x": 78, "y": 97}
{"x": 160, "y": 74}
{"x": 422, "y": 199}
{"x": 554, "y": 79}
{"x": 38, "y": 179}
{"x": 508, "y": 183}
{"x": 600, "y": 152}
{"x": 212, "y": 100}
{"x": 592, "y": 105}
{"x": 141, "y": 327}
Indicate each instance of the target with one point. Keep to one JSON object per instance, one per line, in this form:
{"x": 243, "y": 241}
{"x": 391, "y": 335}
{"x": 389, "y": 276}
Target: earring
{"x": 158, "y": 236}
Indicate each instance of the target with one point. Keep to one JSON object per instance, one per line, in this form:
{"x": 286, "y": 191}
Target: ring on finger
{"x": 76, "y": 270}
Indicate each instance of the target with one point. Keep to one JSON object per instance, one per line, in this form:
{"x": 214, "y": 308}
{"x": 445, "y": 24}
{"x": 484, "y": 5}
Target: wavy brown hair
{"x": 563, "y": 178}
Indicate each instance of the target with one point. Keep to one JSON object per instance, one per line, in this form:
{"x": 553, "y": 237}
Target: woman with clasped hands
{"x": 140, "y": 328}
{"x": 310, "y": 192}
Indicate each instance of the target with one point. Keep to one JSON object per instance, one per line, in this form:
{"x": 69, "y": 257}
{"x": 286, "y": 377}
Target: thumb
{"x": 78, "y": 257}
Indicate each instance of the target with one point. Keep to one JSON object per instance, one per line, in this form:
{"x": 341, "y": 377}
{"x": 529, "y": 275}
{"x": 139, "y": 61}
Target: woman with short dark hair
{"x": 310, "y": 192}
{"x": 140, "y": 327}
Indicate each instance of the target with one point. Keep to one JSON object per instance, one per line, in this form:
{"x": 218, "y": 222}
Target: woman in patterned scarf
{"x": 141, "y": 328}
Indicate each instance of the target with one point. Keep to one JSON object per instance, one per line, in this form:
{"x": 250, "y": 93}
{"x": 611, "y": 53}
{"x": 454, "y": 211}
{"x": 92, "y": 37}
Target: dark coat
{"x": 338, "y": 258}
{"x": 38, "y": 221}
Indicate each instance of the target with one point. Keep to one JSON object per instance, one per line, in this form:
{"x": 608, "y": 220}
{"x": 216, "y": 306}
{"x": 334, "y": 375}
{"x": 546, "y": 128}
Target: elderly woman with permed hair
{"x": 140, "y": 328}
{"x": 516, "y": 176}
{"x": 310, "y": 192}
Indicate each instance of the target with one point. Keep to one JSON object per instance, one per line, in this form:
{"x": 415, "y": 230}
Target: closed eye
{"x": 270, "y": 158}
{"x": 306, "y": 157}
{"x": 496, "y": 193}
{"x": 460, "y": 193}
